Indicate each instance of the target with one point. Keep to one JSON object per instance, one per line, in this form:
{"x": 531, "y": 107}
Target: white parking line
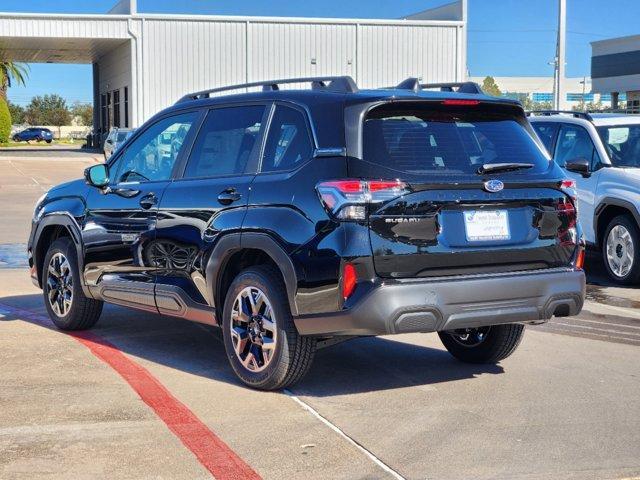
{"x": 36, "y": 182}
{"x": 598, "y": 322}
{"x": 603, "y": 307}
{"x": 333, "y": 427}
{"x": 350, "y": 440}
{"x": 551, "y": 329}
{"x": 574, "y": 325}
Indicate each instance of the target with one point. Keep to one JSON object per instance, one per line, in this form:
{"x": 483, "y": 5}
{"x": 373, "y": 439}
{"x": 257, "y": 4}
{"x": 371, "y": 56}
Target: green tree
{"x": 490, "y": 87}
{"x": 48, "y": 110}
{"x": 34, "y": 113}
{"x": 84, "y": 111}
{"x": 5, "y": 121}
{"x": 12, "y": 73}
{"x": 530, "y": 105}
{"x": 588, "y": 107}
{"x": 17, "y": 113}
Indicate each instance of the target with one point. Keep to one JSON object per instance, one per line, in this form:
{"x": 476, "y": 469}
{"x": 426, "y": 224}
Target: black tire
{"x": 83, "y": 312}
{"x": 293, "y": 353}
{"x": 632, "y": 276}
{"x": 48, "y": 141}
{"x": 499, "y": 341}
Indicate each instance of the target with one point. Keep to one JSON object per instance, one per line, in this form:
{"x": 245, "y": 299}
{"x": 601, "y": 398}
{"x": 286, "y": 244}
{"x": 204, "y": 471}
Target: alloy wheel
{"x": 469, "y": 337}
{"x": 253, "y": 329}
{"x": 60, "y": 284}
{"x": 620, "y": 251}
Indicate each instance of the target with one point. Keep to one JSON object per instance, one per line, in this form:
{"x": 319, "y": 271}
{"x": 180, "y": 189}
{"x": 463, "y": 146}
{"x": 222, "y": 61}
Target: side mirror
{"x": 579, "y": 165}
{"x": 97, "y": 175}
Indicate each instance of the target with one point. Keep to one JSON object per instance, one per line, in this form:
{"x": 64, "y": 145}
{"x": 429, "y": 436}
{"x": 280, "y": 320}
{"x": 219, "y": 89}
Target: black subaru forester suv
{"x": 295, "y": 218}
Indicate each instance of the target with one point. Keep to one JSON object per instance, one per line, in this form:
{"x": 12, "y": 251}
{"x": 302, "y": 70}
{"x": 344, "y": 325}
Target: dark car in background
{"x": 38, "y": 134}
{"x": 296, "y": 218}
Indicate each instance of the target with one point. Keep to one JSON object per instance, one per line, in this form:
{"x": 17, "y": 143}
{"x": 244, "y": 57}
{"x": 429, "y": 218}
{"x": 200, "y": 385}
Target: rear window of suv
{"x": 433, "y": 138}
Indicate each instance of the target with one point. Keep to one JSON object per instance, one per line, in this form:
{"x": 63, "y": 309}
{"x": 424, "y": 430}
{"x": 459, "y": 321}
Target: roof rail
{"x": 583, "y": 115}
{"x": 457, "y": 87}
{"x": 344, "y": 84}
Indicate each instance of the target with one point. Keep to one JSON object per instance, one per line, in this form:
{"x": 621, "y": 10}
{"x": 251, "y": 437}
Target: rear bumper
{"x": 447, "y": 304}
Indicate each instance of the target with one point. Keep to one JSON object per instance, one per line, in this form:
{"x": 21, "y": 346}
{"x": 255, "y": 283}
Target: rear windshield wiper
{"x": 502, "y": 167}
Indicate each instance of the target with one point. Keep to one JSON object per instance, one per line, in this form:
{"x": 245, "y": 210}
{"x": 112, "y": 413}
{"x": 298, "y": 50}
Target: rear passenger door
{"x": 206, "y": 201}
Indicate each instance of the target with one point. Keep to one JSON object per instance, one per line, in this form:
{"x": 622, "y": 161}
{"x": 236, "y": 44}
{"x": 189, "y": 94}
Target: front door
{"x": 208, "y": 201}
{"x": 120, "y": 221}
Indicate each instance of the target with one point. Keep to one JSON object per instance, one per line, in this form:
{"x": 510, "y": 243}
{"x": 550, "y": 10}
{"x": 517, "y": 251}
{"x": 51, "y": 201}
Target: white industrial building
{"x": 144, "y": 62}
{"x": 540, "y": 89}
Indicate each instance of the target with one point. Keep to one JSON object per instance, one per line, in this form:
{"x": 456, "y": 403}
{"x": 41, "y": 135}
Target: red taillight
{"x": 580, "y": 259}
{"x": 349, "y": 279}
{"x": 345, "y": 186}
{"x": 460, "y": 102}
{"x": 565, "y": 206}
{"x": 348, "y": 199}
{"x": 568, "y": 186}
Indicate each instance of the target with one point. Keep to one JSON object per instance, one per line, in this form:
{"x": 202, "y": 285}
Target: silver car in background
{"x": 116, "y": 137}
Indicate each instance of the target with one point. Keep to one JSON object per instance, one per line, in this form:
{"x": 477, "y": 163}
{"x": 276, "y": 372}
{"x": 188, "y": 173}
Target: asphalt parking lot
{"x": 145, "y": 396}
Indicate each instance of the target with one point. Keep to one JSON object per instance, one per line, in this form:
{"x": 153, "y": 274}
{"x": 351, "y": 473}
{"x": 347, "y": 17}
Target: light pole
{"x": 559, "y": 98}
{"x": 584, "y": 84}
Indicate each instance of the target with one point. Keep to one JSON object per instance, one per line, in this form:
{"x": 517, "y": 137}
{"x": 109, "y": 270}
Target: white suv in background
{"x": 601, "y": 152}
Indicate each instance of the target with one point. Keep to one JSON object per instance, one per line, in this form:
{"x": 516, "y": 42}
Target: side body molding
{"x": 234, "y": 242}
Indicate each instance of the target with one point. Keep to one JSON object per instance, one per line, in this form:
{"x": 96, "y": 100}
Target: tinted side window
{"x": 153, "y": 154}
{"x": 288, "y": 143}
{"x": 547, "y": 133}
{"x": 574, "y": 142}
{"x": 225, "y": 142}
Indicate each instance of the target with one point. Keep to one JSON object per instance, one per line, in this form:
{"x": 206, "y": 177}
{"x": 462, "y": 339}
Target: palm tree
{"x": 12, "y": 72}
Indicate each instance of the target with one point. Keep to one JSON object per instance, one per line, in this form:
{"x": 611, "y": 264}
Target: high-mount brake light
{"x": 460, "y": 102}
{"x": 349, "y": 199}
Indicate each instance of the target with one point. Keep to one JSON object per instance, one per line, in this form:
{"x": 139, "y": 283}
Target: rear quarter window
{"x": 431, "y": 138}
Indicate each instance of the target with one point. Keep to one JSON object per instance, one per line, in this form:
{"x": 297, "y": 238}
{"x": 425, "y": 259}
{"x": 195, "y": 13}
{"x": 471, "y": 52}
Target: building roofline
{"x": 231, "y": 18}
{"x": 610, "y": 41}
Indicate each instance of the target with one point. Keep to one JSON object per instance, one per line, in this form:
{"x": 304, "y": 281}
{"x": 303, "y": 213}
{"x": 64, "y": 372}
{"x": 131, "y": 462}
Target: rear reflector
{"x": 452, "y": 101}
{"x": 349, "y": 279}
{"x": 580, "y": 259}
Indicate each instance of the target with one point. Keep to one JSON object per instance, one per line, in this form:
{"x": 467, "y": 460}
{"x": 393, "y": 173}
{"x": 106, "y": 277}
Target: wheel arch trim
{"x": 612, "y": 202}
{"x": 69, "y": 223}
{"x": 234, "y": 242}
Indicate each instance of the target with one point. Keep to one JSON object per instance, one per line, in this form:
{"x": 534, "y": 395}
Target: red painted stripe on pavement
{"x": 209, "y": 449}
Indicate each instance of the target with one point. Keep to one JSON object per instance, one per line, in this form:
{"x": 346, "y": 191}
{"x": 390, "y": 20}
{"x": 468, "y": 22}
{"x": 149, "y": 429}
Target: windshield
{"x": 431, "y": 139}
{"x": 622, "y": 143}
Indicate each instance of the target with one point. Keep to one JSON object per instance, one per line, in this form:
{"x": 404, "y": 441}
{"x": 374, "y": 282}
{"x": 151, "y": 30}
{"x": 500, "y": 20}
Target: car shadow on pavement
{"x": 355, "y": 366}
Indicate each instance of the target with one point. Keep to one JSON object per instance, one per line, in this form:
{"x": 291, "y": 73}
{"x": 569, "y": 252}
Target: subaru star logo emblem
{"x": 493, "y": 186}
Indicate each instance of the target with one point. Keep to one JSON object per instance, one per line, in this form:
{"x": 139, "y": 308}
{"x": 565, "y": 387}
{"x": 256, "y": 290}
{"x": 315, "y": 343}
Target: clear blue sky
{"x": 506, "y": 37}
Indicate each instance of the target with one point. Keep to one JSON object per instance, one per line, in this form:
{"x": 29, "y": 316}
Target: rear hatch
{"x": 476, "y": 192}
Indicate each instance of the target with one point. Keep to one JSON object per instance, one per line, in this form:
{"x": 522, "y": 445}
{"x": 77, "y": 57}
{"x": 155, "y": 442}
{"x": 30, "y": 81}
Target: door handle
{"x": 149, "y": 201}
{"x": 228, "y": 196}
